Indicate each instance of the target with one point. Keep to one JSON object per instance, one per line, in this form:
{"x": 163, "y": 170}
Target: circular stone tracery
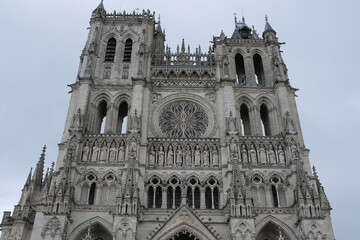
{"x": 183, "y": 119}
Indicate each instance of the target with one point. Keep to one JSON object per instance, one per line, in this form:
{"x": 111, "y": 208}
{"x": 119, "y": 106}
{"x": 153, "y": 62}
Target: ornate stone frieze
{"x": 183, "y": 83}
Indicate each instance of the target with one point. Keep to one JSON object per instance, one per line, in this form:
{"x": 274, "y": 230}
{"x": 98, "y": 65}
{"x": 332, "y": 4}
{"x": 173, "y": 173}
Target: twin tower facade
{"x": 168, "y": 144}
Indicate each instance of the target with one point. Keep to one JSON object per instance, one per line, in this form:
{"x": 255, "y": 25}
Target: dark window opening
{"x": 275, "y": 196}
{"x": 102, "y": 112}
{"x": 197, "y": 198}
{"x": 216, "y": 198}
{"x": 150, "y": 197}
{"x": 110, "y": 50}
{"x": 92, "y": 194}
{"x": 245, "y": 120}
{"x": 128, "y": 50}
{"x": 170, "y": 197}
{"x": 240, "y": 69}
{"x": 265, "y": 120}
{"x": 259, "y": 70}
{"x": 122, "y": 118}
{"x": 177, "y": 197}
{"x": 208, "y": 198}
{"x": 158, "y": 197}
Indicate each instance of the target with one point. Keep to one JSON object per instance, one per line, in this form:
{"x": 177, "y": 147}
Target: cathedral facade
{"x": 175, "y": 145}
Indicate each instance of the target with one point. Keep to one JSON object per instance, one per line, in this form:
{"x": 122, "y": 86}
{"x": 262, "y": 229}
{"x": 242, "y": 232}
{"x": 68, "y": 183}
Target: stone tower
{"x": 175, "y": 145}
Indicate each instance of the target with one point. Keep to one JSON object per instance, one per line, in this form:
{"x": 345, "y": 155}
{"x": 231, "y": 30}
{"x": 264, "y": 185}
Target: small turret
{"x": 269, "y": 33}
{"x": 100, "y": 10}
{"x": 242, "y": 30}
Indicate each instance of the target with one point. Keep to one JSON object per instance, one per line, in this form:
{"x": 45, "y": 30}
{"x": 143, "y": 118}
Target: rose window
{"x": 183, "y": 119}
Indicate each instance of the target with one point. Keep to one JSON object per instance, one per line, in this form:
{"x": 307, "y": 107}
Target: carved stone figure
{"x": 170, "y": 156}
{"x": 231, "y": 124}
{"x": 161, "y": 156}
{"x": 103, "y": 153}
{"x": 206, "y": 155}
{"x": 134, "y": 122}
{"x": 77, "y": 120}
{"x": 121, "y": 152}
{"x": 85, "y": 152}
{"x": 179, "y": 157}
{"x": 233, "y": 149}
{"x": 188, "y": 156}
{"x": 226, "y": 66}
{"x": 272, "y": 156}
{"x": 262, "y": 154}
{"x": 112, "y": 154}
{"x": 281, "y": 156}
{"x": 289, "y": 124}
{"x": 253, "y": 157}
{"x": 95, "y": 153}
{"x": 293, "y": 150}
{"x": 215, "y": 156}
{"x": 244, "y": 154}
{"x": 152, "y": 156}
{"x": 197, "y": 156}
{"x": 132, "y": 150}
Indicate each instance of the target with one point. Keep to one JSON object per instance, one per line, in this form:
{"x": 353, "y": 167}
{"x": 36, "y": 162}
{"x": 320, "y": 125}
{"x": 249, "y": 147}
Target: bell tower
{"x": 166, "y": 144}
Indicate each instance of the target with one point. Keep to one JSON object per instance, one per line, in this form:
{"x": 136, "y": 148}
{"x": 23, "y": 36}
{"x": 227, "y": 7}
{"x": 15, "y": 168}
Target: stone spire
{"x": 39, "y": 170}
{"x": 100, "y": 8}
{"x": 267, "y": 25}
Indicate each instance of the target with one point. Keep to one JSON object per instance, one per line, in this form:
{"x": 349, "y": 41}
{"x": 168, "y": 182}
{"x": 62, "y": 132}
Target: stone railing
{"x": 183, "y": 58}
{"x": 168, "y": 152}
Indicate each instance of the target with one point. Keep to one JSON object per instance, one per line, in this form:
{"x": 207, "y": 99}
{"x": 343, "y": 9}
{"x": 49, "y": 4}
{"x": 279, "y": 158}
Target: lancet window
{"x": 110, "y": 50}
{"x": 174, "y": 193}
{"x": 154, "y": 193}
{"x": 212, "y": 194}
{"x": 122, "y": 118}
{"x": 193, "y": 192}
{"x": 245, "y": 120}
{"x": 128, "y": 50}
{"x": 108, "y": 190}
{"x": 101, "y": 117}
{"x": 259, "y": 70}
{"x": 265, "y": 120}
{"x": 91, "y": 199}
{"x": 240, "y": 69}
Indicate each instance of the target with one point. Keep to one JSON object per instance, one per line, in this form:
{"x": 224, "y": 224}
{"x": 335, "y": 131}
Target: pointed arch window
{"x": 259, "y": 70}
{"x": 275, "y": 196}
{"x": 102, "y": 112}
{"x": 245, "y": 120}
{"x": 265, "y": 120}
{"x": 122, "y": 118}
{"x": 92, "y": 194}
{"x": 128, "y": 50}
{"x": 240, "y": 69}
{"x": 110, "y": 50}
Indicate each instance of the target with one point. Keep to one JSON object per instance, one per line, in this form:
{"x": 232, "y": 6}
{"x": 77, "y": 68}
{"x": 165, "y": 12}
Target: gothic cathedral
{"x": 164, "y": 144}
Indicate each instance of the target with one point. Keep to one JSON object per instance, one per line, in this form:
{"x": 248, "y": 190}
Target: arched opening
{"x": 170, "y": 198}
{"x": 91, "y": 199}
{"x": 158, "y": 197}
{"x": 102, "y": 112}
{"x": 245, "y": 120}
{"x": 197, "y": 197}
{"x": 150, "y": 197}
{"x": 216, "y": 198}
{"x": 275, "y": 196}
{"x": 240, "y": 69}
{"x": 184, "y": 235}
{"x": 84, "y": 194}
{"x": 110, "y": 50}
{"x": 265, "y": 120}
{"x": 97, "y": 232}
{"x": 177, "y": 197}
{"x": 259, "y": 70}
{"x": 122, "y": 118}
{"x": 272, "y": 231}
{"x": 208, "y": 198}
{"x": 128, "y": 50}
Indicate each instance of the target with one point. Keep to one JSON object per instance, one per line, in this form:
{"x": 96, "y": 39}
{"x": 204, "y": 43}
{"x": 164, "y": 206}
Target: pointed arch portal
{"x": 184, "y": 235}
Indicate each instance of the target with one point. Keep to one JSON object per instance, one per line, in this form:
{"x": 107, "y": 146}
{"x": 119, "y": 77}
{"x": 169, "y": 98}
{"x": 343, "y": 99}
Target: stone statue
{"x": 188, "y": 156}
{"x": 121, "y": 152}
{"x": 253, "y": 157}
{"x": 77, "y": 120}
{"x": 103, "y": 153}
{"x": 293, "y": 150}
{"x": 281, "y": 156}
{"x": 152, "y": 156}
{"x": 233, "y": 149}
{"x": 206, "y": 155}
{"x": 215, "y": 156}
{"x": 161, "y": 156}
{"x": 272, "y": 156}
{"x": 244, "y": 154}
{"x": 231, "y": 124}
{"x": 170, "y": 156}
{"x": 134, "y": 122}
{"x": 179, "y": 157}
{"x": 226, "y": 66}
{"x": 112, "y": 154}
{"x": 289, "y": 124}
{"x": 85, "y": 152}
{"x": 197, "y": 156}
{"x": 132, "y": 150}
{"x": 95, "y": 153}
{"x": 262, "y": 155}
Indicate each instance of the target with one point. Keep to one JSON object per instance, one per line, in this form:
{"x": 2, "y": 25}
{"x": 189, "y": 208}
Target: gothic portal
{"x": 176, "y": 145}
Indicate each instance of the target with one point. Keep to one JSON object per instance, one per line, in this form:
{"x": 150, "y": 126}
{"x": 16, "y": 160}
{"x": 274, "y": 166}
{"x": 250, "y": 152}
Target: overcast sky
{"x": 41, "y": 42}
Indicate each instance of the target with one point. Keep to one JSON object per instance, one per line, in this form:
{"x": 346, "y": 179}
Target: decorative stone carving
{"x": 289, "y": 124}
{"x": 231, "y": 124}
{"x": 134, "y": 125}
{"x": 52, "y": 228}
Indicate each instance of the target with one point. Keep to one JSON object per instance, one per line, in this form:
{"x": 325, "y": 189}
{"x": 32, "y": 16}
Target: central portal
{"x": 184, "y": 235}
